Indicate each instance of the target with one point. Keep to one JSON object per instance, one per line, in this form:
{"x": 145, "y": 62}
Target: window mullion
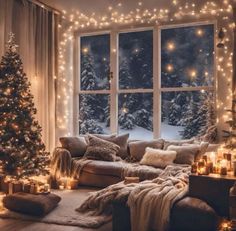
{"x": 156, "y": 85}
{"x": 114, "y": 82}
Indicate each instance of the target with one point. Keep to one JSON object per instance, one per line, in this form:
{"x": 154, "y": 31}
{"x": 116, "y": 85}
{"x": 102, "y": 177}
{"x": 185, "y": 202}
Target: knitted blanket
{"x": 150, "y": 201}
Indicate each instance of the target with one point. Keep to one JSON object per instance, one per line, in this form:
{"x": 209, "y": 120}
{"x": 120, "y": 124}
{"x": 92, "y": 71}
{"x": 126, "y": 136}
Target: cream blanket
{"x": 150, "y": 202}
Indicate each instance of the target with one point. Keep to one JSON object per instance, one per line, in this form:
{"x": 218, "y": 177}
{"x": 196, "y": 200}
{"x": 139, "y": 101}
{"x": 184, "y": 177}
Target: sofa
{"x": 100, "y": 173}
{"x": 185, "y": 215}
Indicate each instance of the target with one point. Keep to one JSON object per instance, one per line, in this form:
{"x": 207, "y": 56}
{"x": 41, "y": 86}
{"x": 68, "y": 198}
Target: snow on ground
{"x": 139, "y": 133}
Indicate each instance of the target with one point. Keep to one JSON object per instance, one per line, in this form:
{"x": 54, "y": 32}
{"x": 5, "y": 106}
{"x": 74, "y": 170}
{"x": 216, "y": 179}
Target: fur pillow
{"x": 75, "y": 145}
{"x": 167, "y": 143}
{"x": 137, "y": 148}
{"x": 158, "y": 158}
{"x": 99, "y": 149}
{"x": 185, "y": 154}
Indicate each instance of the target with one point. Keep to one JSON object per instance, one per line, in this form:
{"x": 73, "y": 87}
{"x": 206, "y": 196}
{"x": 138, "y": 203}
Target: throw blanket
{"x": 144, "y": 172}
{"x": 62, "y": 165}
{"x": 150, "y": 202}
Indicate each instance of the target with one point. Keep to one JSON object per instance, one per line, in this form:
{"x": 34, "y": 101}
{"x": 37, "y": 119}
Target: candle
{"x": 194, "y": 168}
{"x": 212, "y": 157}
{"x": 223, "y": 171}
{"x": 61, "y": 186}
{"x": 210, "y": 167}
{"x": 72, "y": 184}
{"x": 46, "y": 188}
{"x": 204, "y": 158}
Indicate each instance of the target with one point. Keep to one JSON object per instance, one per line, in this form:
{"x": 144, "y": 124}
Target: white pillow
{"x": 158, "y": 158}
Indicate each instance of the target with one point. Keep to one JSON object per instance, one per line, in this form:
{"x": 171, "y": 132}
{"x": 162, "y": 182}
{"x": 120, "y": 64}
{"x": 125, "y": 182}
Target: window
{"x": 135, "y": 111}
{"x": 187, "y": 81}
{"x": 174, "y": 102}
{"x": 94, "y": 97}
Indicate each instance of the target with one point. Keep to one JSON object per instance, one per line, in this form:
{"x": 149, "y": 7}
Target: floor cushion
{"x": 36, "y": 205}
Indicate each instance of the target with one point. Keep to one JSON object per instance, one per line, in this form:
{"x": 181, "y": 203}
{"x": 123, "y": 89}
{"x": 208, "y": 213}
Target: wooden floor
{"x": 17, "y": 225}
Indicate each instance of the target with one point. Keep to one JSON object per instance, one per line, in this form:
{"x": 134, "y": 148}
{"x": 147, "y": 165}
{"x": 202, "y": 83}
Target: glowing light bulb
{"x": 169, "y": 67}
{"x": 199, "y": 32}
{"x": 193, "y": 73}
{"x": 85, "y": 50}
{"x": 170, "y": 46}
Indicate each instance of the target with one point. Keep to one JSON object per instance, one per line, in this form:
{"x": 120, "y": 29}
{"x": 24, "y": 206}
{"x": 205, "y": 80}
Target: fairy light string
{"x": 176, "y": 13}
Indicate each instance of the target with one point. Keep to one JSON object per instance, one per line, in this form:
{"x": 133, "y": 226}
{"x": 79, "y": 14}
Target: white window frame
{"x": 114, "y": 90}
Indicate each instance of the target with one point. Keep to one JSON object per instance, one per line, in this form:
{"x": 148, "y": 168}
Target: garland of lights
{"x": 139, "y": 16}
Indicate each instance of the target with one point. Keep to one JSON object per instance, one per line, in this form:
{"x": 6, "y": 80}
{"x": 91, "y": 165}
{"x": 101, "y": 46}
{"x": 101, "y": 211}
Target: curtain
{"x": 36, "y": 32}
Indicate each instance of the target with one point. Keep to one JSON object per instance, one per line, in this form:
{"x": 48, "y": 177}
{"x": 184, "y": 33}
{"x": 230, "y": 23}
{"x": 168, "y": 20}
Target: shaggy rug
{"x": 64, "y": 213}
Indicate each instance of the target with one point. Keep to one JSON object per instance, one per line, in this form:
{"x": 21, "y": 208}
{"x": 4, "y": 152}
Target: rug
{"x": 64, "y": 213}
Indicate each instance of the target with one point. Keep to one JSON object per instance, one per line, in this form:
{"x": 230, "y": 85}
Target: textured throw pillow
{"x": 203, "y": 146}
{"x": 212, "y": 147}
{"x": 167, "y": 143}
{"x": 185, "y": 154}
{"x": 75, "y": 145}
{"x": 99, "y": 149}
{"x": 137, "y": 148}
{"x": 122, "y": 142}
{"x": 158, "y": 158}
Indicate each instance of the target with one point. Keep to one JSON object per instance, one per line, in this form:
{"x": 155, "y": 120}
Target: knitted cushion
{"x": 36, "y": 205}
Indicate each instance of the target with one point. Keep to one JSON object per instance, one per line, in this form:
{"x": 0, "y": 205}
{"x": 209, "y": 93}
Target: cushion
{"x": 185, "y": 154}
{"x": 99, "y": 167}
{"x": 36, "y": 205}
{"x": 212, "y": 147}
{"x": 167, "y": 143}
{"x": 137, "y": 148}
{"x": 158, "y": 158}
{"x": 121, "y": 141}
{"x": 202, "y": 148}
{"x": 99, "y": 149}
{"x": 75, "y": 145}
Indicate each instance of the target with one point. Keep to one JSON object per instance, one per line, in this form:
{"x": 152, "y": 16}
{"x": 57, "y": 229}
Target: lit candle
{"x": 212, "y": 157}
{"x": 61, "y": 186}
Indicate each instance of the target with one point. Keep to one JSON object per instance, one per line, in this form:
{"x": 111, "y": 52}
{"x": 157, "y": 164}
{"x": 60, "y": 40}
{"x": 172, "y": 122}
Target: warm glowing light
{"x": 125, "y": 110}
{"x": 199, "y": 32}
{"x": 85, "y": 50}
{"x": 193, "y": 73}
{"x": 169, "y": 67}
{"x": 170, "y": 46}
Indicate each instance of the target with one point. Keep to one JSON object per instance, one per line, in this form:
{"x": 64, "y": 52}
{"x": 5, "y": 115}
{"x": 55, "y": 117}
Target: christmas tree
{"x": 230, "y": 135}
{"x": 22, "y": 150}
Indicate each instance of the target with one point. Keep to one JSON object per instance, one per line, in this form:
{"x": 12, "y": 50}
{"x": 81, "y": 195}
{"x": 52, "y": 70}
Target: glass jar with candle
{"x": 223, "y": 167}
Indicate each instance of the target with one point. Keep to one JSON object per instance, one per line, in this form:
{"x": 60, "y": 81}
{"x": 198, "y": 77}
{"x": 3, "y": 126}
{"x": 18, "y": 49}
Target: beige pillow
{"x": 99, "y": 149}
{"x": 167, "y": 143}
{"x": 203, "y": 146}
{"x": 137, "y": 148}
{"x": 158, "y": 158}
{"x": 185, "y": 154}
{"x": 75, "y": 145}
{"x": 122, "y": 142}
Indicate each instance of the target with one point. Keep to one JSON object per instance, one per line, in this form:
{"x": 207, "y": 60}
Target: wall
{"x": 95, "y": 16}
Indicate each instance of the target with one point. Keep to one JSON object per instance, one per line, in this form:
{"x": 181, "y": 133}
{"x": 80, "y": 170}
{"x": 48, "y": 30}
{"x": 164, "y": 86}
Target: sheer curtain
{"x": 36, "y": 34}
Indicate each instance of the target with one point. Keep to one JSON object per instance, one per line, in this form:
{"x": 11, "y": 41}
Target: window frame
{"x": 157, "y": 90}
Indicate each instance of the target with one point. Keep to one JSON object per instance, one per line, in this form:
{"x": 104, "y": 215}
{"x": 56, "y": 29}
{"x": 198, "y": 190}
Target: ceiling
{"x": 101, "y": 6}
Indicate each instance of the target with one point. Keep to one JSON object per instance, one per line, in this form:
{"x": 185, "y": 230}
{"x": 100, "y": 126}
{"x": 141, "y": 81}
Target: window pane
{"x": 136, "y": 115}
{"x": 186, "y": 114}
{"x": 95, "y": 62}
{"x": 187, "y": 56}
{"x": 94, "y": 114}
{"x": 135, "y": 60}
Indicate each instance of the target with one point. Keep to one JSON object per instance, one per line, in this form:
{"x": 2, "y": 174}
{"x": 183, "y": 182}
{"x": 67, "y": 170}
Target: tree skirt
{"x": 64, "y": 213}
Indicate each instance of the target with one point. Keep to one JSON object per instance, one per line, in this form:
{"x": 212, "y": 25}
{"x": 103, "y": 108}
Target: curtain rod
{"x": 41, "y": 4}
